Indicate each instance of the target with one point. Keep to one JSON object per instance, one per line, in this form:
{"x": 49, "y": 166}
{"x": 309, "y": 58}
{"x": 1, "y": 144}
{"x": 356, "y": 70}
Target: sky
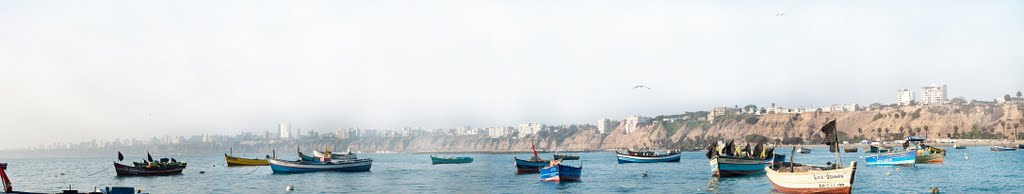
{"x": 74, "y": 71}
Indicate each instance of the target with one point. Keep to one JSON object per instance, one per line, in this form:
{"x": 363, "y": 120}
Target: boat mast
{"x": 839, "y": 157}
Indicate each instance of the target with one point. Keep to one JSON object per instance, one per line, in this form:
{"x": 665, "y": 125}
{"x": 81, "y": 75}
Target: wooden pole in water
{"x": 839, "y": 157}
{"x": 792, "y": 158}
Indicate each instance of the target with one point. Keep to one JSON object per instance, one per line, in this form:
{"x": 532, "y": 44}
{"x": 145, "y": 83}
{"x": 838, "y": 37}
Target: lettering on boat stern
{"x": 828, "y": 176}
{"x": 831, "y": 185}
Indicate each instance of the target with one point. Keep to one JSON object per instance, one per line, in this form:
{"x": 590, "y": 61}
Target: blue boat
{"x": 283, "y": 166}
{"x": 905, "y": 158}
{"x": 647, "y": 156}
{"x": 561, "y": 173}
{"x": 1003, "y": 148}
{"x": 529, "y": 166}
{"x": 724, "y": 166}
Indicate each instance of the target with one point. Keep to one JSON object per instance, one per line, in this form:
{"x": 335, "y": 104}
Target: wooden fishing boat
{"x": 1002, "y": 149}
{"x": 791, "y": 177}
{"x": 557, "y": 156}
{"x": 805, "y": 150}
{"x": 450, "y": 160}
{"x": 647, "y": 156}
{"x": 558, "y": 172}
{"x": 283, "y": 166}
{"x": 878, "y": 148}
{"x": 906, "y": 158}
{"x": 348, "y": 155}
{"x": 724, "y": 166}
{"x": 238, "y": 161}
{"x": 850, "y": 150}
{"x": 151, "y": 169}
{"x": 529, "y": 166}
{"x": 959, "y": 147}
{"x": 925, "y": 153}
{"x": 799, "y": 178}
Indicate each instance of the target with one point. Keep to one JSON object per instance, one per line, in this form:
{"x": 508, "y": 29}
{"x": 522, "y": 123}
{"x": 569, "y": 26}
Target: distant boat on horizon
{"x": 450, "y": 160}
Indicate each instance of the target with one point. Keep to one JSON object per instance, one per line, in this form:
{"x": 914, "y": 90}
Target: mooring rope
{"x": 254, "y": 170}
{"x": 104, "y": 169}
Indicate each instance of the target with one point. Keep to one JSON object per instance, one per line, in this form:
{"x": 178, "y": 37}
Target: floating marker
{"x": 289, "y": 188}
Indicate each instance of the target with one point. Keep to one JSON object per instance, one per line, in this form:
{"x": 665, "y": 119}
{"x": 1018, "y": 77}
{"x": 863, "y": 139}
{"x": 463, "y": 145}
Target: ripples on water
{"x": 984, "y": 172}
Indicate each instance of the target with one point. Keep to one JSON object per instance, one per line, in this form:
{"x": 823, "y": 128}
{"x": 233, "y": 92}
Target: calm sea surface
{"x": 982, "y": 171}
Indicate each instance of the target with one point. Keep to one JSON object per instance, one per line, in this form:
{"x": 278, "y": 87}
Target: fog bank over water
{"x": 74, "y": 71}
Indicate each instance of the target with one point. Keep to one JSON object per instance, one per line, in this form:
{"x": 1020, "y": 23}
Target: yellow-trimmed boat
{"x": 237, "y": 161}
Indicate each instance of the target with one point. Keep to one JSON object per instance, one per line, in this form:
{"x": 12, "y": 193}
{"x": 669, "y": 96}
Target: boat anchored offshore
{"x": 239, "y": 161}
{"x": 558, "y": 172}
{"x": 726, "y": 162}
{"x": 905, "y": 158}
{"x": 925, "y": 153}
{"x": 161, "y": 167}
{"x": 533, "y": 165}
{"x": 1003, "y": 148}
{"x": 557, "y": 156}
{"x": 959, "y": 147}
{"x": 790, "y": 177}
{"x": 450, "y": 160}
{"x": 647, "y": 155}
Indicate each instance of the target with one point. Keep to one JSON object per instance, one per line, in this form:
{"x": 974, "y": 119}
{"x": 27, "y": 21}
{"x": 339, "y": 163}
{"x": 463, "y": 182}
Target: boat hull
{"x": 902, "y": 158}
{"x": 455, "y": 160}
{"x": 827, "y": 181}
{"x": 336, "y": 156}
{"x": 282, "y": 166}
{"x": 236, "y": 161}
{"x": 624, "y": 158}
{"x": 850, "y": 150}
{"x": 1002, "y": 149}
{"x": 733, "y": 167}
{"x": 529, "y": 167}
{"x": 959, "y": 147}
{"x": 126, "y": 170}
{"x": 561, "y": 173}
{"x": 565, "y": 157}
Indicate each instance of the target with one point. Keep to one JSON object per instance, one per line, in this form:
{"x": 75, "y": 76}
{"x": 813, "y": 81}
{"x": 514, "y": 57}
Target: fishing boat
{"x": 557, "y": 156}
{"x": 1002, "y": 148}
{"x": 905, "y": 158}
{"x": 533, "y": 165}
{"x": 647, "y": 156}
{"x": 450, "y": 160}
{"x": 925, "y": 153}
{"x": 284, "y": 166}
{"x": 726, "y": 163}
{"x": 348, "y": 155}
{"x": 876, "y": 147}
{"x": 959, "y": 147}
{"x": 805, "y": 150}
{"x": 161, "y": 167}
{"x": 791, "y": 177}
{"x": 238, "y": 161}
{"x": 1020, "y": 146}
{"x": 558, "y": 172}
{"x": 850, "y": 150}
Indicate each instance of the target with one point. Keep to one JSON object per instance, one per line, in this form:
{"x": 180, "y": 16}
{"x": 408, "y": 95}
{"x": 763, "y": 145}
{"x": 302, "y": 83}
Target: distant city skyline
{"x": 126, "y": 69}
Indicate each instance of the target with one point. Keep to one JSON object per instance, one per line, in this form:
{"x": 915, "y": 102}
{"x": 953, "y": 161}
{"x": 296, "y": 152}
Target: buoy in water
{"x": 202, "y": 172}
{"x": 887, "y": 173}
{"x": 935, "y": 190}
{"x": 897, "y": 169}
{"x": 289, "y": 188}
{"x": 645, "y": 174}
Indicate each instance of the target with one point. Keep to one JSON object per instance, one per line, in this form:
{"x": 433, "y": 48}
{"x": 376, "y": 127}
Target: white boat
{"x": 811, "y": 179}
{"x": 336, "y": 156}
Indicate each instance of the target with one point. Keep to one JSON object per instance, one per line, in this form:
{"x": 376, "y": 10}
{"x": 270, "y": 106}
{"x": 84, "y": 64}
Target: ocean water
{"x": 982, "y": 172}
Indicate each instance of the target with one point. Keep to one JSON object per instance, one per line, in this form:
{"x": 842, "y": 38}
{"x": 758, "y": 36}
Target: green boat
{"x": 450, "y": 160}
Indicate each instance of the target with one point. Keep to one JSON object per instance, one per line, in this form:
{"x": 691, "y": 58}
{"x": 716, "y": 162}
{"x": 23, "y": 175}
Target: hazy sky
{"x": 76, "y": 70}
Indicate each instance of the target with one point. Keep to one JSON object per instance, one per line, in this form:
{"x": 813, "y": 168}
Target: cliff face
{"x": 886, "y": 124}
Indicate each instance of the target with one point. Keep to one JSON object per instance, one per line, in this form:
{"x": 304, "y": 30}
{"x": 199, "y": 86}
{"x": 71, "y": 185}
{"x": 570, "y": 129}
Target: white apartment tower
{"x": 904, "y": 96}
{"x": 603, "y": 124}
{"x": 632, "y": 122}
{"x": 934, "y": 94}
{"x": 283, "y": 132}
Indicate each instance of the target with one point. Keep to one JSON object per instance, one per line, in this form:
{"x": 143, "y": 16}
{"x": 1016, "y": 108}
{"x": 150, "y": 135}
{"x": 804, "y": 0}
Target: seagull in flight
{"x": 641, "y": 86}
{"x": 780, "y": 12}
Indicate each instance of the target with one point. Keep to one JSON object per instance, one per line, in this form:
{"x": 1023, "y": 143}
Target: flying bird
{"x": 641, "y": 86}
{"x": 780, "y": 12}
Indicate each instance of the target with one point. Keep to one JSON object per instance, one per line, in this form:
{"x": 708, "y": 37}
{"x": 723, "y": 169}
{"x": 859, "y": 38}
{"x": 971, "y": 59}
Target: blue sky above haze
{"x": 75, "y": 70}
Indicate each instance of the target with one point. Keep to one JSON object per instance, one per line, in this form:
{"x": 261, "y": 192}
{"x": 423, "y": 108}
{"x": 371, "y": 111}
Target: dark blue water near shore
{"x": 982, "y": 172}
